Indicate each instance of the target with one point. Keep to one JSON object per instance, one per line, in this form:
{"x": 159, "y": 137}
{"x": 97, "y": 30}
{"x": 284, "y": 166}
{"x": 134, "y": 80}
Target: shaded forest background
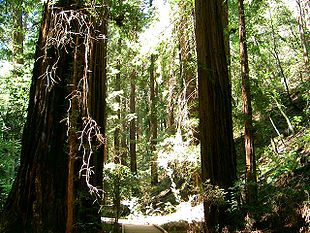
{"x": 152, "y": 151}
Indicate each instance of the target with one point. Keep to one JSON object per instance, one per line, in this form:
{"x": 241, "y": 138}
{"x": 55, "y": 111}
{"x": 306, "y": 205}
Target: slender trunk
{"x": 153, "y": 123}
{"x": 303, "y": 39}
{"x": 123, "y": 149}
{"x": 214, "y": 91}
{"x": 276, "y": 55}
{"x": 117, "y": 130}
{"x": 188, "y": 72}
{"x": 18, "y": 33}
{"x": 170, "y": 105}
{"x": 133, "y": 155}
{"x": 250, "y": 175}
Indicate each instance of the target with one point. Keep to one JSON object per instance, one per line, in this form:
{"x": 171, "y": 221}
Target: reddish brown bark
{"x": 42, "y": 196}
{"x": 217, "y": 145}
{"x": 250, "y": 175}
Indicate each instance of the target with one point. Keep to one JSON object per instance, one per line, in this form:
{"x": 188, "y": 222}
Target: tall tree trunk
{"x": 276, "y": 56}
{"x": 133, "y": 155}
{"x": 188, "y": 72}
{"x": 41, "y": 199}
{"x": 302, "y": 28}
{"x": 153, "y": 124}
{"x": 170, "y": 105}
{"x": 36, "y": 202}
{"x": 214, "y": 91}
{"x": 250, "y": 175}
{"x": 117, "y": 131}
{"x": 124, "y": 147}
{"x": 18, "y": 32}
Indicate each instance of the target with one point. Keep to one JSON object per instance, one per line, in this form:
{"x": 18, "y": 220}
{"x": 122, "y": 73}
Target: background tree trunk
{"x": 117, "y": 131}
{"x": 153, "y": 124}
{"x": 18, "y": 33}
{"x": 217, "y": 145}
{"x": 250, "y": 175}
{"x": 133, "y": 155}
{"x": 302, "y": 26}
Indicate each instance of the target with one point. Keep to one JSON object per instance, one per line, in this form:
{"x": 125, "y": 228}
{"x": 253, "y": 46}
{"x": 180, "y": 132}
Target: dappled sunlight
{"x": 184, "y": 212}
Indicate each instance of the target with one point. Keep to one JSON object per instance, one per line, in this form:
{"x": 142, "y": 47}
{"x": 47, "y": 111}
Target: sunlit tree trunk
{"x": 303, "y": 11}
{"x": 44, "y": 195}
{"x": 214, "y": 91}
{"x": 153, "y": 123}
{"x": 18, "y": 32}
{"x": 276, "y": 56}
{"x": 170, "y": 105}
{"x": 133, "y": 155}
{"x": 250, "y": 176}
{"x": 188, "y": 72}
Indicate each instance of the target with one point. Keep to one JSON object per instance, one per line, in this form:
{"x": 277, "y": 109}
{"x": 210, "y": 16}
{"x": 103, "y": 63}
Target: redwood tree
{"x": 62, "y": 115}
{"x": 247, "y": 110}
{"x": 217, "y": 145}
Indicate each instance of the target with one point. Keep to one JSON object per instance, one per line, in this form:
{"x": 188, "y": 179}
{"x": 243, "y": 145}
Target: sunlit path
{"x": 129, "y": 228}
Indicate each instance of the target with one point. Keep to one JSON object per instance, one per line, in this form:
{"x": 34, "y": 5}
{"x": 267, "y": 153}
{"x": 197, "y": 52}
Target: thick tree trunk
{"x": 42, "y": 196}
{"x": 36, "y": 202}
{"x": 153, "y": 124}
{"x": 217, "y": 145}
{"x": 250, "y": 176}
{"x": 133, "y": 154}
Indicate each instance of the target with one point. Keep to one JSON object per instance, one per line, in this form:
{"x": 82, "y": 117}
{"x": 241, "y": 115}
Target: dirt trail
{"x": 130, "y": 228}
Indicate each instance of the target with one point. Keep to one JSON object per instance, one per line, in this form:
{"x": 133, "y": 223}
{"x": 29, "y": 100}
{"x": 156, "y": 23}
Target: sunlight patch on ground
{"x": 184, "y": 212}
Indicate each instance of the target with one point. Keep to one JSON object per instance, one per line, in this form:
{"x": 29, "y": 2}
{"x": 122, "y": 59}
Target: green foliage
{"x": 120, "y": 185}
{"x": 179, "y": 160}
{"x": 9, "y": 157}
{"x": 14, "y": 88}
{"x": 130, "y": 16}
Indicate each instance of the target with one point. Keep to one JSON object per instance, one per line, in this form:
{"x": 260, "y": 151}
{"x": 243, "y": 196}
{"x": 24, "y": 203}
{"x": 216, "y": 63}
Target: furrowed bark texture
{"x": 217, "y": 146}
{"x": 36, "y": 202}
{"x": 44, "y": 194}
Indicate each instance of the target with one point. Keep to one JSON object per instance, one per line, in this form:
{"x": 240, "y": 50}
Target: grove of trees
{"x": 132, "y": 108}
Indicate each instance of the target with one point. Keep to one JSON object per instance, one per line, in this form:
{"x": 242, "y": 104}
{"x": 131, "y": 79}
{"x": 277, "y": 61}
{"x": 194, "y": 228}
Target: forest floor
{"x": 184, "y": 212}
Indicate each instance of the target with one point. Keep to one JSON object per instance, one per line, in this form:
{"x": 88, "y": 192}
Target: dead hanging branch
{"x": 75, "y": 29}
{"x": 65, "y": 26}
{"x": 89, "y": 134}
